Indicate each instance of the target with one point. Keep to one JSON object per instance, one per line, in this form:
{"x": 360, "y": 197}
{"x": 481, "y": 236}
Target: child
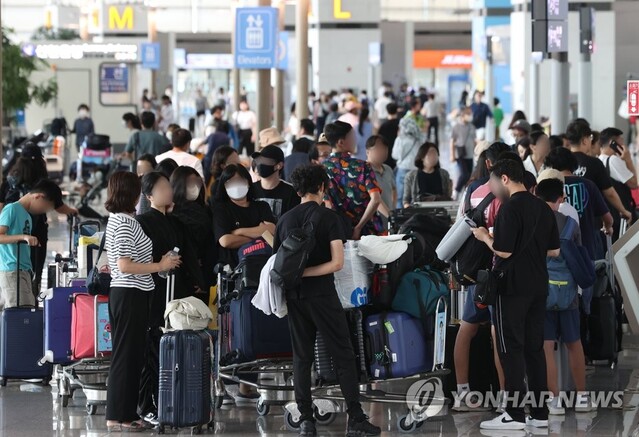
{"x": 15, "y": 227}
{"x": 376, "y": 156}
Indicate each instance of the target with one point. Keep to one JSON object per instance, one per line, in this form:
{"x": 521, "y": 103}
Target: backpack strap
{"x": 477, "y": 213}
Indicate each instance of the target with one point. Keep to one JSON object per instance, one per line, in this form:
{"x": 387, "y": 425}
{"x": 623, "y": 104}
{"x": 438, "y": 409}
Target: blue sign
{"x": 256, "y": 38}
{"x": 282, "y": 51}
{"x": 114, "y": 79}
{"x": 150, "y": 55}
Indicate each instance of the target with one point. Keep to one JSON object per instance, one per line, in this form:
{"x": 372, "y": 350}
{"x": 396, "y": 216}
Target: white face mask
{"x": 237, "y": 191}
{"x": 83, "y": 113}
{"x": 192, "y": 192}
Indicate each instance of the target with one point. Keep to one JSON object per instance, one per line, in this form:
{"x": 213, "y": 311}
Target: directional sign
{"x": 256, "y": 38}
{"x": 150, "y": 55}
{"x": 282, "y": 51}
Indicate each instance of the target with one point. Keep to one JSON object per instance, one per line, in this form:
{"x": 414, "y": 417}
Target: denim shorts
{"x": 562, "y": 325}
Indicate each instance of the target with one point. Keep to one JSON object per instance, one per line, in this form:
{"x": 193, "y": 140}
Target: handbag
{"x": 488, "y": 280}
{"x": 99, "y": 283}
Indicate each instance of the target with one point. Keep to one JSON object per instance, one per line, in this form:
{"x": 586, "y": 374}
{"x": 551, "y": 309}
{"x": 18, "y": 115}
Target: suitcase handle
{"x": 20, "y": 243}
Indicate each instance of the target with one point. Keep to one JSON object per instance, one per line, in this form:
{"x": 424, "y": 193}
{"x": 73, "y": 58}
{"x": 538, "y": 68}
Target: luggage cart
{"x": 275, "y": 377}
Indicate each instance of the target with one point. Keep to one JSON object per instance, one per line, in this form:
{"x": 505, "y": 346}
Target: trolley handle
{"x": 439, "y": 343}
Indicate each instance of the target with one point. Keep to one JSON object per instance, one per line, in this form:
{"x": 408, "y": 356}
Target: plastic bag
{"x": 353, "y": 282}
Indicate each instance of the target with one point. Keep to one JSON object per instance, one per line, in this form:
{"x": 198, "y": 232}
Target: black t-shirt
{"x": 389, "y": 130}
{"x": 429, "y": 183}
{"x": 526, "y": 272}
{"x": 281, "y": 199}
{"x": 227, "y": 217}
{"x": 328, "y": 228}
{"x": 593, "y": 169}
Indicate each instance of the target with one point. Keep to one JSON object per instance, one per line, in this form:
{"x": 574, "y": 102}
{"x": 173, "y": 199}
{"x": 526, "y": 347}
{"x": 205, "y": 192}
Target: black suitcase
{"x": 324, "y": 366}
{"x": 601, "y": 341}
{"x": 184, "y": 398}
{"x": 22, "y": 342}
{"x": 482, "y": 373}
{"x": 98, "y": 142}
{"x": 400, "y": 216}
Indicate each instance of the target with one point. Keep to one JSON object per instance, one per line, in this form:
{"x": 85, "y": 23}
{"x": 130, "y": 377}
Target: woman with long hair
{"x": 223, "y": 156}
{"x": 429, "y": 182}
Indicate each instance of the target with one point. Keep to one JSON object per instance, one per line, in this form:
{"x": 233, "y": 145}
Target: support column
{"x": 301, "y": 40}
{"x": 263, "y": 91}
{"x": 534, "y": 90}
{"x": 584, "y": 104}
{"x": 235, "y": 73}
{"x": 279, "y": 78}
{"x": 559, "y": 92}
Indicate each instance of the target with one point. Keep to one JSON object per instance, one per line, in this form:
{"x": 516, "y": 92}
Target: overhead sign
{"x": 118, "y": 19}
{"x": 460, "y": 59}
{"x": 114, "y": 79}
{"x": 119, "y": 52}
{"x": 150, "y": 55}
{"x": 209, "y": 61}
{"x": 256, "y": 38}
{"x": 633, "y": 98}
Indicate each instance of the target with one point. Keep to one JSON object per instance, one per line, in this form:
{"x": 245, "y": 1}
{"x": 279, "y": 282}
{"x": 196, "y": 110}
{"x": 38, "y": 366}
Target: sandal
{"x": 135, "y": 426}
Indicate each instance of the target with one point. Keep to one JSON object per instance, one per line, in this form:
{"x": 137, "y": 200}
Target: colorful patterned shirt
{"x": 351, "y": 181}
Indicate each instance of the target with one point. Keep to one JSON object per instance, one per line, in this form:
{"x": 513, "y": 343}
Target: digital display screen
{"x": 557, "y": 37}
{"x": 550, "y": 9}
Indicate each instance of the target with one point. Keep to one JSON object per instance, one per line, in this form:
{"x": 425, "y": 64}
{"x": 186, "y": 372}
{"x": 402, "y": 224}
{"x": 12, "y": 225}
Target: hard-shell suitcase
{"x": 324, "y": 365}
{"x": 90, "y": 327}
{"x": 21, "y": 342}
{"x": 256, "y": 335}
{"x": 184, "y": 398}
{"x": 57, "y": 323}
{"x": 398, "y": 346}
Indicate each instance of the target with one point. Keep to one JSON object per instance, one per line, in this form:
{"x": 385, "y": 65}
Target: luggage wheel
{"x": 407, "y": 424}
{"x": 92, "y": 409}
{"x": 262, "y": 408}
{"x": 325, "y": 411}
{"x": 292, "y": 417}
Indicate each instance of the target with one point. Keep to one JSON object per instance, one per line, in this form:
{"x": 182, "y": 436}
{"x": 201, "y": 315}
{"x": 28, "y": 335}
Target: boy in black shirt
{"x": 271, "y": 189}
{"x": 525, "y": 234}
{"x": 315, "y": 306}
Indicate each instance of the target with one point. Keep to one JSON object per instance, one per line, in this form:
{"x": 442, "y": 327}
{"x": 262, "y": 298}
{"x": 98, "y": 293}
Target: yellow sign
{"x": 119, "y": 21}
{"x": 338, "y": 13}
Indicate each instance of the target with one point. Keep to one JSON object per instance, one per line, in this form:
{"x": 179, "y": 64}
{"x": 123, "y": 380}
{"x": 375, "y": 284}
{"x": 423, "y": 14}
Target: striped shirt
{"x": 126, "y": 239}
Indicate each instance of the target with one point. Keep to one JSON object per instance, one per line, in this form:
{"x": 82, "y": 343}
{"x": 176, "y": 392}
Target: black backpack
{"x": 474, "y": 255}
{"x": 292, "y": 256}
{"x": 431, "y": 230}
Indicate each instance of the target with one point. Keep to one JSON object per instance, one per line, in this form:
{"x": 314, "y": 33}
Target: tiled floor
{"x": 32, "y": 410}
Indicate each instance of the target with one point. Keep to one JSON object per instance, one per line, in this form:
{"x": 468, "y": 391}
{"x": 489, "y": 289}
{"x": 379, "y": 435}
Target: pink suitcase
{"x": 90, "y": 327}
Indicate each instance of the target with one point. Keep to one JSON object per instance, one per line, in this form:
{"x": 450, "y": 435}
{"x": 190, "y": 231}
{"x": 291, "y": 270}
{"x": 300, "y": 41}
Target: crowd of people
{"x": 360, "y": 160}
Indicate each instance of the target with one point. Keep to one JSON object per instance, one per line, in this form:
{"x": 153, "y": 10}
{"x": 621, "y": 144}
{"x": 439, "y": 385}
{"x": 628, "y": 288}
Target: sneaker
{"x": 151, "y": 419}
{"x": 555, "y": 408}
{"x": 246, "y": 398}
{"x": 307, "y": 428}
{"x": 536, "y": 423}
{"x": 584, "y": 404}
{"x": 361, "y": 428}
{"x": 503, "y": 422}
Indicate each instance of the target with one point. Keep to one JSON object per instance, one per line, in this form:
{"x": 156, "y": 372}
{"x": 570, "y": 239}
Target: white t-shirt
{"x": 618, "y": 168}
{"x": 245, "y": 120}
{"x": 568, "y": 210}
{"x": 380, "y": 107}
{"x": 182, "y": 159}
{"x": 529, "y": 165}
{"x": 430, "y": 108}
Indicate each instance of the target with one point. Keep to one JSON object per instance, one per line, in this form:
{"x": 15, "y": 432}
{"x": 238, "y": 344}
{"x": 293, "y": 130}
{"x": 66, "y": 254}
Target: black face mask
{"x": 265, "y": 170}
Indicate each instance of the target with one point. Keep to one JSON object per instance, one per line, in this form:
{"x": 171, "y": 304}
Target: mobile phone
{"x": 616, "y": 147}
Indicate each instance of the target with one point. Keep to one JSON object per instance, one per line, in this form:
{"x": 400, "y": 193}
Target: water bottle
{"x": 173, "y": 253}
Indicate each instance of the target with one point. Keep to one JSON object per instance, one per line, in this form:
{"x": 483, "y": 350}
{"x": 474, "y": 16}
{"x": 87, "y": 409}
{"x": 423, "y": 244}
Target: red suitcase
{"x": 90, "y": 327}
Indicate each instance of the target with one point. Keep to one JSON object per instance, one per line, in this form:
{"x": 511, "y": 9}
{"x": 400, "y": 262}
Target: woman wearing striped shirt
{"x": 130, "y": 254}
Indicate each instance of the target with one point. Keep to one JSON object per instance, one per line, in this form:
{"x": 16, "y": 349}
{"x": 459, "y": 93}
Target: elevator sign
{"x": 256, "y": 38}
{"x": 633, "y": 98}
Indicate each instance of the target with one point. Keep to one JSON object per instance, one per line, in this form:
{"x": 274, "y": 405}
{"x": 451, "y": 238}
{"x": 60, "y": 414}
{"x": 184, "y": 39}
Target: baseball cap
{"x": 271, "y": 152}
{"x": 522, "y": 125}
{"x": 32, "y": 151}
{"x": 550, "y": 173}
{"x": 270, "y": 136}
{"x": 322, "y": 141}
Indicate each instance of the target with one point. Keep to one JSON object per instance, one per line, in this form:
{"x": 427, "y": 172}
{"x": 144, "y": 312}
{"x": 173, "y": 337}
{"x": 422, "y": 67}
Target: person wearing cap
{"x": 322, "y": 150}
{"x": 279, "y": 195}
{"x": 353, "y": 190}
{"x": 181, "y": 140}
{"x": 520, "y": 130}
{"x": 351, "y": 116}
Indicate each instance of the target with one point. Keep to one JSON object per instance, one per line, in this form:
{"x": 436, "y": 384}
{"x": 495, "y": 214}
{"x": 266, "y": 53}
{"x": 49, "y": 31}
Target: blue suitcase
{"x": 397, "y": 346}
{"x": 21, "y": 343}
{"x": 254, "y": 334}
{"x": 185, "y": 380}
{"x": 57, "y": 323}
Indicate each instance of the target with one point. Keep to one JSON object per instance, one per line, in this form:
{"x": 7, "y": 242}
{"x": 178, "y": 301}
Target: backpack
{"x": 562, "y": 286}
{"x": 292, "y": 256}
{"x": 473, "y": 255}
{"x": 431, "y": 230}
{"x": 419, "y": 291}
{"x": 252, "y": 258}
{"x": 15, "y": 191}
{"x": 59, "y": 127}
{"x": 577, "y": 259}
